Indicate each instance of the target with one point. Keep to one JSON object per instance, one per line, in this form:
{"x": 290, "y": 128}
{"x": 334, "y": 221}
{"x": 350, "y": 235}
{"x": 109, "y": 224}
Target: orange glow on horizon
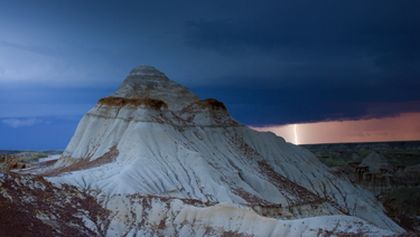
{"x": 405, "y": 127}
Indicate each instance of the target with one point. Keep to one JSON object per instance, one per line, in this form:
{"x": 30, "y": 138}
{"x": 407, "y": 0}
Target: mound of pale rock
{"x": 376, "y": 163}
{"x": 164, "y": 162}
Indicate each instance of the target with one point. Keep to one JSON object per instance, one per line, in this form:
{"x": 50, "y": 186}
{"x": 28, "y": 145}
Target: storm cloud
{"x": 271, "y": 62}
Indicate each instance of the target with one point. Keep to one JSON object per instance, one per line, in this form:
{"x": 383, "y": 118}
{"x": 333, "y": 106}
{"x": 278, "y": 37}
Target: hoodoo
{"x": 165, "y": 163}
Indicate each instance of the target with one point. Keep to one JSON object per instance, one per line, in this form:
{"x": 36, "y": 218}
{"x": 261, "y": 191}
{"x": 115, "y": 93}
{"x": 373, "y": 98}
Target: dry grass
{"x": 12, "y": 163}
{"x": 120, "y": 101}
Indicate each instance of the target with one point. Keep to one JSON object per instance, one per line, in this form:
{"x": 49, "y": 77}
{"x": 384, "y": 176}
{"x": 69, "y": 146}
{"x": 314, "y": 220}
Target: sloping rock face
{"x": 164, "y": 162}
{"x": 147, "y": 82}
{"x": 375, "y": 173}
{"x": 32, "y": 206}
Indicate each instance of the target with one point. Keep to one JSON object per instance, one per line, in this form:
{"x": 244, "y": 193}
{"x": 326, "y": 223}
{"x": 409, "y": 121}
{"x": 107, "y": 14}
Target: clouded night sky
{"x": 271, "y": 62}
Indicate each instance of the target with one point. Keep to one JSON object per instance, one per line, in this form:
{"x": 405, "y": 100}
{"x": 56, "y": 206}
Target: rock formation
{"x": 163, "y": 162}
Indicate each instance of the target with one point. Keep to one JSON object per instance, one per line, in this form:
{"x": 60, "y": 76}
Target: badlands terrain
{"x": 153, "y": 159}
{"x": 390, "y": 170}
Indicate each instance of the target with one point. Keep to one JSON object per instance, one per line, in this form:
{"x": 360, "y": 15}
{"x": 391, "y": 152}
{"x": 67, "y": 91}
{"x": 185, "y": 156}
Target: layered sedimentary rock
{"x": 164, "y": 162}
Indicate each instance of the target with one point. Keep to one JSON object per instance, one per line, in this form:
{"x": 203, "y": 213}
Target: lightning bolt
{"x": 296, "y": 134}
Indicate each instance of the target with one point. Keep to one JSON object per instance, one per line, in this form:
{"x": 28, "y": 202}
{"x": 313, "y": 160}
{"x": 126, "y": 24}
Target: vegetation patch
{"x": 120, "y": 101}
{"x": 212, "y": 104}
{"x": 333, "y": 162}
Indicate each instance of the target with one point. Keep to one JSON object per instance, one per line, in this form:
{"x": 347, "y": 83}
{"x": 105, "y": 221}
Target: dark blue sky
{"x": 271, "y": 62}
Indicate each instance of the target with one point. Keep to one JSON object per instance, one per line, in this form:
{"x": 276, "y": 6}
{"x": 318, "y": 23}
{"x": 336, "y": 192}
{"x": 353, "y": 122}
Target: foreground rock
{"x": 163, "y": 162}
{"x": 31, "y": 206}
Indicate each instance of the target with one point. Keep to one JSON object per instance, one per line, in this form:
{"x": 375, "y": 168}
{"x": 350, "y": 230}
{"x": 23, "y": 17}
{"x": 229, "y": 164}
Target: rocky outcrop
{"x": 390, "y": 170}
{"x": 183, "y": 166}
{"x": 148, "y": 82}
{"x": 31, "y": 206}
{"x": 376, "y": 174}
